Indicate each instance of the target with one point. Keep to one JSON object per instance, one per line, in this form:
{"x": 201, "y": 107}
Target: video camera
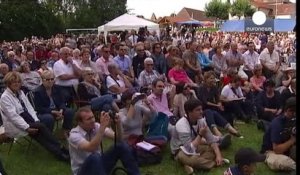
{"x": 289, "y": 129}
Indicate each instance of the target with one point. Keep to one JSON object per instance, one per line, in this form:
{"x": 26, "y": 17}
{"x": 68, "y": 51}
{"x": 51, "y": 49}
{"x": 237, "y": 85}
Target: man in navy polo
{"x": 280, "y": 138}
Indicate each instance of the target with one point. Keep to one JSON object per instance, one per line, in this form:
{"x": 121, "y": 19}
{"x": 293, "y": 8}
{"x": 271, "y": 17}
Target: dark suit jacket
{"x": 42, "y": 101}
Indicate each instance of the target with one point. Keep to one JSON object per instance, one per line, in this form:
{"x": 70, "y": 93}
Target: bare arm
{"x": 283, "y": 147}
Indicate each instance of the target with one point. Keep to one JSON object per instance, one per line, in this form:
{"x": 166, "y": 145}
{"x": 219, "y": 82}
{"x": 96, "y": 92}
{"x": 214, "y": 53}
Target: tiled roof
{"x": 195, "y": 14}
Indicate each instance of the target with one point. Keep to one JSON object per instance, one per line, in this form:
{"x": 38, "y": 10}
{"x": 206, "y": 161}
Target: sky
{"x": 164, "y": 7}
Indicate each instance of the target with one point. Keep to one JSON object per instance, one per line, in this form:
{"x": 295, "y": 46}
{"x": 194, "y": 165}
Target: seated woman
{"x": 19, "y": 118}
{"x": 178, "y": 75}
{"x": 30, "y": 79}
{"x": 50, "y": 106}
{"x": 268, "y": 104}
{"x": 257, "y": 80}
{"x": 183, "y": 93}
{"x": 137, "y": 113}
{"x": 116, "y": 82}
{"x": 88, "y": 92}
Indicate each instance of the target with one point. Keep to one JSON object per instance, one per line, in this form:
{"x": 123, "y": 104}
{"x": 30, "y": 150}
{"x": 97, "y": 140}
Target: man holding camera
{"x": 85, "y": 140}
{"x": 279, "y": 141}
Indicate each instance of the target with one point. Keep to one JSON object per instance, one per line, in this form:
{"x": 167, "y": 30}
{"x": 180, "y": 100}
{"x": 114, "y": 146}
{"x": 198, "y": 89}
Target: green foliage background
{"x": 24, "y": 18}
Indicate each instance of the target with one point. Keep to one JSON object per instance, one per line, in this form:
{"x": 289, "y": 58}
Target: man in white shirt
{"x": 251, "y": 58}
{"x": 66, "y": 74}
{"x": 234, "y": 101}
{"x": 270, "y": 61}
{"x": 133, "y": 38}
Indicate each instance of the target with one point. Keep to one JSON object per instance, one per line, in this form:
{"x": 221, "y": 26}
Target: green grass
{"x": 37, "y": 161}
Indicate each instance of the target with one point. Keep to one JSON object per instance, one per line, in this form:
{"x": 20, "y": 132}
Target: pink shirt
{"x": 178, "y": 75}
{"x": 101, "y": 64}
{"x": 160, "y": 104}
{"x": 258, "y": 82}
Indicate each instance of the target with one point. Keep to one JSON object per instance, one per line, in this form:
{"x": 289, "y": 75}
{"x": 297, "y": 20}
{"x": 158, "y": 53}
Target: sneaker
{"x": 226, "y": 161}
{"x": 225, "y": 141}
{"x": 238, "y": 135}
{"x": 189, "y": 170}
{"x": 187, "y": 149}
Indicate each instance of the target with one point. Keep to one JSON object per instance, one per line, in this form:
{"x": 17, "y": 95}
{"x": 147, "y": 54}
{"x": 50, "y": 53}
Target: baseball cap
{"x": 246, "y": 156}
{"x": 290, "y": 103}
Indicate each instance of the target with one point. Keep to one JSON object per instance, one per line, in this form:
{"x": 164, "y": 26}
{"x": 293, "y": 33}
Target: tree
{"x": 20, "y": 18}
{"x": 217, "y": 9}
{"x": 242, "y": 8}
{"x": 86, "y": 13}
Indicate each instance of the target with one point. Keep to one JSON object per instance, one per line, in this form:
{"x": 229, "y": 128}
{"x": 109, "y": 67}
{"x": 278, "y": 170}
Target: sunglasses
{"x": 49, "y": 79}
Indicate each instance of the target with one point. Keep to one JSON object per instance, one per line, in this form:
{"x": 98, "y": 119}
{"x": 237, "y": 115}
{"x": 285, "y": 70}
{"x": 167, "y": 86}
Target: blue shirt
{"x": 123, "y": 62}
{"x": 204, "y": 61}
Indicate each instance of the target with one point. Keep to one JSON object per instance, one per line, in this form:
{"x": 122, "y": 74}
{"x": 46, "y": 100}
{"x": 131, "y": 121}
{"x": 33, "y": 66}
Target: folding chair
{"x": 16, "y": 140}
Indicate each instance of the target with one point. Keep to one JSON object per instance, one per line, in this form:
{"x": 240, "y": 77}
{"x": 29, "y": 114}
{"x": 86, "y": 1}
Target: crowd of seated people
{"x": 197, "y": 85}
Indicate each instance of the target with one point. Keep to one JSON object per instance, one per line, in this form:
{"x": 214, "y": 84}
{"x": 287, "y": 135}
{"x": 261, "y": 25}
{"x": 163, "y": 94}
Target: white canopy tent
{"x": 128, "y": 22}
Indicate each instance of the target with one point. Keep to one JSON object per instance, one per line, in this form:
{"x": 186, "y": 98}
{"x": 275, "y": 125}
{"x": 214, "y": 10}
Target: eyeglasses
{"x": 49, "y": 79}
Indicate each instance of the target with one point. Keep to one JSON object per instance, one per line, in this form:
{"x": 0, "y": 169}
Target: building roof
{"x": 189, "y": 13}
{"x": 282, "y": 8}
{"x": 285, "y": 9}
{"x": 153, "y": 17}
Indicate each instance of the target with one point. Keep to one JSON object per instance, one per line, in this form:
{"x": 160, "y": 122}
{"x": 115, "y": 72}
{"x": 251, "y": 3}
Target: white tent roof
{"x": 128, "y": 22}
{"x": 100, "y": 29}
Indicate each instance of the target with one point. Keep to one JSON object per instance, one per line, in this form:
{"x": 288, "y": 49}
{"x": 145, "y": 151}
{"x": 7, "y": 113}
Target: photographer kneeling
{"x": 279, "y": 141}
{"x": 85, "y": 140}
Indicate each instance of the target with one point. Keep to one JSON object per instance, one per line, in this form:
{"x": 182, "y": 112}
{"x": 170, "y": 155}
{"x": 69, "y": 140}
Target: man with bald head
{"x": 270, "y": 61}
{"x": 234, "y": 59}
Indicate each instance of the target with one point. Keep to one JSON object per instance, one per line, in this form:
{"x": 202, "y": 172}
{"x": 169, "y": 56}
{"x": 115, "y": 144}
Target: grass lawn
{"x": 37, "y": 161}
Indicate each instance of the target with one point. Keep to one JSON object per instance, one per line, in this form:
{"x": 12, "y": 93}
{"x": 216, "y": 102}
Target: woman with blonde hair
{"x": 19, "y": 118}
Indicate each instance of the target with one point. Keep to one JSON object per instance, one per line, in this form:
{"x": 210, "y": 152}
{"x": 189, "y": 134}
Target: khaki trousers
{"x": 205, "y": 161}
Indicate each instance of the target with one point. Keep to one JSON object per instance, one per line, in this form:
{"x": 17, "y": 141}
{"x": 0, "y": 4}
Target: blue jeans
{"x": 213, "y": 119}
{"x": 102, "y": 103}
{"x": 49, "y": 120}
{"x": 96, "y": 164}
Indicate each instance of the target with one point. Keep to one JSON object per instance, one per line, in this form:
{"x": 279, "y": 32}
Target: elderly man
{"x": 34, "y": 64}
{"x": 270, "y": 61}
{"x": 12, "y": 63}
{"x": 66, "y": 74}
{"x": 234, "y": 59}
{"x": 148, "y": 75}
